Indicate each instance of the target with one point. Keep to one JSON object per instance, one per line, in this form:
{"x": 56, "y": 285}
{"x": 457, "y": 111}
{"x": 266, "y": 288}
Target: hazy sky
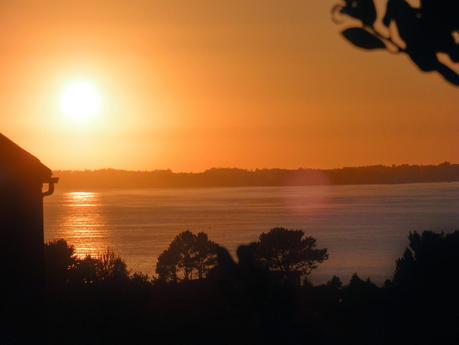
{"x": 190, "y": 85}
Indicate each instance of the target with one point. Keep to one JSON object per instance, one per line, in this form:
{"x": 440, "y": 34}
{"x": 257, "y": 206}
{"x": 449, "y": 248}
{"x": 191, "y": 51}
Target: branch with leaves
{"x": 421, "y": 32}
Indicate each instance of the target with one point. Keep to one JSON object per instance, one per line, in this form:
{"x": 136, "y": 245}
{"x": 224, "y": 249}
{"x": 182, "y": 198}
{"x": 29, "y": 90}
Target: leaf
{"x": 368, "y": 12}
{"x": 450, "y": 75}
{"x": 363, "y": 39}
{"x": 363, "y": 10}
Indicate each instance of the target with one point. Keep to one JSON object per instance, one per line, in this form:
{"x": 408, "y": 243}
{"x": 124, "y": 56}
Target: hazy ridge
{"x": 229, "y": 177}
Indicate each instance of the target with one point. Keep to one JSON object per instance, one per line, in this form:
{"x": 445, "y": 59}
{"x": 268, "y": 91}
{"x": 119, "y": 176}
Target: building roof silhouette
{"x": 18, "y": 164}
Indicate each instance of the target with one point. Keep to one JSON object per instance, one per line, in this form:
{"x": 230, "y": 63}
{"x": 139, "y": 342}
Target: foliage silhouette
{"x": 111, "y": 266}
{"x": 335, "y": 283}
{"x": 241, "y": 300}
{"x": 428, "y": 260}
{"x": 189, "y": 256}
{"x": 363, "y": 39}
{"x": 254, "y": 295}
{"x": 60, "y": 260}
{"x": 289, "y": 252}
{"x": 64, "y": 268}
{"x": 421, "y": 32}
{"x": 425, "y": 289}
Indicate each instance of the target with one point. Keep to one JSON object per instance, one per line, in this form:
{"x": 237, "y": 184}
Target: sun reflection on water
{"x": 84, "y": 224}
{"x": 81, "y": 199}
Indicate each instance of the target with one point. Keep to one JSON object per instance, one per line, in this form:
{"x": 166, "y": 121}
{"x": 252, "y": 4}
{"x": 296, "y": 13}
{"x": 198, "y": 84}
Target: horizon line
{"x": 444, "y": 163}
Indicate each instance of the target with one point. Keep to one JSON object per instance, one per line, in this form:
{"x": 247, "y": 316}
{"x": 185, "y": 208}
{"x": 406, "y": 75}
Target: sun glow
{"x": 80, "y": 101}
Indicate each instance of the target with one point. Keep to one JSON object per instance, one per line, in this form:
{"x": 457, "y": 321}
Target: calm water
{"x": 365, "y": 228}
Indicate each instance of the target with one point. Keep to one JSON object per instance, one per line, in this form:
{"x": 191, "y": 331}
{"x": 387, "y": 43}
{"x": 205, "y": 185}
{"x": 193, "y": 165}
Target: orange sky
{"x": 190, "y": 85}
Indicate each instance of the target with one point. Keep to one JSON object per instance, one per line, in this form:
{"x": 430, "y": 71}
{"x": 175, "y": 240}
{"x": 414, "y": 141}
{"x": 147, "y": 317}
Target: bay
{"x": 364, "y": 227}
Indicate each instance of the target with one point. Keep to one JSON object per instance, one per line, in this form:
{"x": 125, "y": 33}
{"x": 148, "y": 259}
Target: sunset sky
{"x": 190, "y": 85}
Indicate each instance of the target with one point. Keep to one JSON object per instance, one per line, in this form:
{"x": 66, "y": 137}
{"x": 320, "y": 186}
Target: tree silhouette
{"x": 64, "y": 267}
{"x": 429, "y": 260}
{"x": 60, "y": 260}
{"x": 243, "y": 298}
{"x": 425, "y": 289}
{"x": 205, "y": 255}
{"x": 111, "y": 266}
{"x": 335, "y": 283}
{"x": 289, "y": 252}
{"x": 421, "y": 32}
{"x": 166, "y": 267}
{"x": 188, "y": 256}
{"x": 87, "y": 271}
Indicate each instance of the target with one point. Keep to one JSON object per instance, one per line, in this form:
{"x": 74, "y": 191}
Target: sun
{"x": 80, "y": 100}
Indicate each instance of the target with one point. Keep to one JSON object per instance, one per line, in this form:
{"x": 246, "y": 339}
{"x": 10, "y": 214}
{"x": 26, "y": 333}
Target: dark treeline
{"x": 226, "y": 177}
{"x": 202, "y": 295}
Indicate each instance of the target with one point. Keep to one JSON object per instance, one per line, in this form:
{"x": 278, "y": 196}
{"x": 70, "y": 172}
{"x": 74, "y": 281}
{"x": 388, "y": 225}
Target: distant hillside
{"x": 110, "y": 178}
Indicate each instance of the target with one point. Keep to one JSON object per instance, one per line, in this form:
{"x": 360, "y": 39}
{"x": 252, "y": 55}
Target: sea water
{"x": 364, "y": 227}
